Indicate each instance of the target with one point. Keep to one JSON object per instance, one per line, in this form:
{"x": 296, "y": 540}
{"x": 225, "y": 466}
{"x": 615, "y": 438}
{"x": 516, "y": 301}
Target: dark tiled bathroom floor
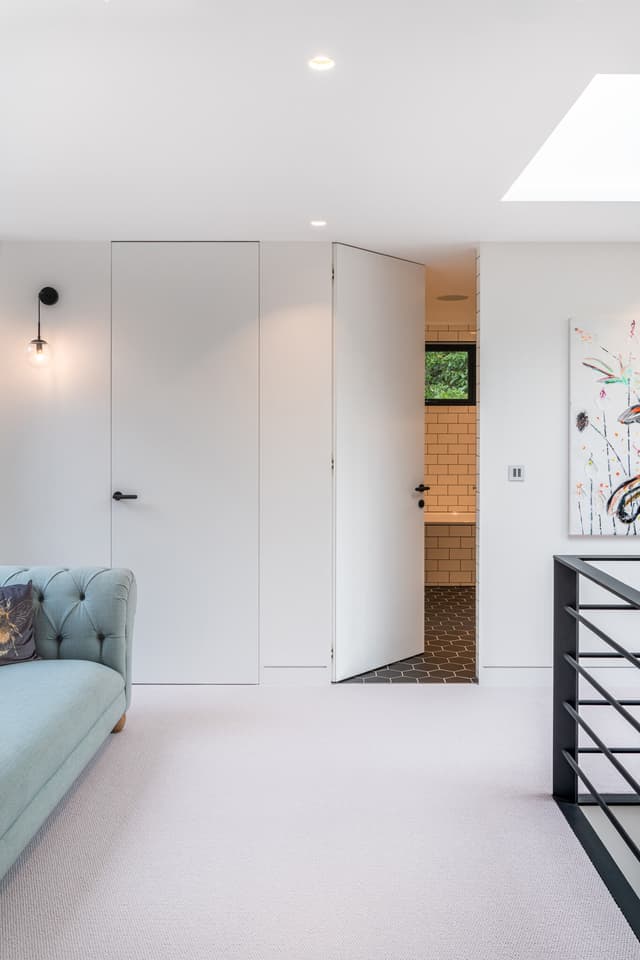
{"x": 449, "y": 642}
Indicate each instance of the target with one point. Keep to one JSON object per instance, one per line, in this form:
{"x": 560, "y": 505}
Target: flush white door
{"x": 378, "y": 444}
{"x": 185, "y": 442}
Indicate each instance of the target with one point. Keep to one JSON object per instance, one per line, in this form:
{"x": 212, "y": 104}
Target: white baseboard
{"x": 543, "y": 676}
{"x": 515, "y": 676}
{"x": 295, "y": 676}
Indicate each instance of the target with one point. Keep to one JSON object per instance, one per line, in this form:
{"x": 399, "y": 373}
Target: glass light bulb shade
{"x": 38, "y": 353}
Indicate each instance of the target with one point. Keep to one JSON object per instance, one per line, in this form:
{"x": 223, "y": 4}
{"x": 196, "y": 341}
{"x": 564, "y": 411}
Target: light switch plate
{"x": 515, "y": 473}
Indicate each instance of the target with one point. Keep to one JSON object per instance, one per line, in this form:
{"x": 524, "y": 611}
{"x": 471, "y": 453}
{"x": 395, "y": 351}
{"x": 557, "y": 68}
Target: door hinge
{"x": 333, "y": 464}
{"x": 332, "y": 653}
{"x": 333, "y": 273}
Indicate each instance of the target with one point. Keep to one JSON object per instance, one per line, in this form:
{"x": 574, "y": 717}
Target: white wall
{"x": 55, "y": 476}
{"x": 54, "y": 428}
{"x": 55, "y": 445}
{"x": 528, "y": 292}
{"x": 295, "y": 481}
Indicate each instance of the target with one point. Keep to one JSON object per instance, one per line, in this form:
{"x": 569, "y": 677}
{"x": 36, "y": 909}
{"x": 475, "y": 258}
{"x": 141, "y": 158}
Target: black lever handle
{"x": 422, "y": 488}
{"x": 125, "y": 496}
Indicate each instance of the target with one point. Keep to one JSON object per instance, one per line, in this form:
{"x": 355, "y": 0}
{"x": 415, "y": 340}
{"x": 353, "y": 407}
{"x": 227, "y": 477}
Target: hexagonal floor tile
{"x": 449, "y": 648}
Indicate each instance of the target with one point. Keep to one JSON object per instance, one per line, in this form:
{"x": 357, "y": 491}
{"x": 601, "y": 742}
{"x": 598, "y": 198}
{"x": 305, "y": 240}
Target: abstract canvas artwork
{"x": 604, "y": 430}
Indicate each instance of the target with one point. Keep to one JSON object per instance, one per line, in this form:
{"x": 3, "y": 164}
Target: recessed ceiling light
{"x": 452, "y": 297}
{"x": 318, "y": 223}
{"x": 322, "y": 63}
{"x": 593, "y": 152}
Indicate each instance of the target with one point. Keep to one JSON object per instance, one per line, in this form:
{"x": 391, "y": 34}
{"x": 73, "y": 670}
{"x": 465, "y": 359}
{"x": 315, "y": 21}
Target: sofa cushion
{"x": 47, "y": 707}
{"x": 17, "y": 637}
{"x": 82, "y": 613}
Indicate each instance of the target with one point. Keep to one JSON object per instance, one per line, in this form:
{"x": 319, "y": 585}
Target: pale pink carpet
{"x": 344, "y": 823}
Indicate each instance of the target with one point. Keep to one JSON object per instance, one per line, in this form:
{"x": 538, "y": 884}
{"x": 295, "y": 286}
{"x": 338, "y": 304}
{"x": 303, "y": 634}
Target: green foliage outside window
{"x": 446, "y": 375}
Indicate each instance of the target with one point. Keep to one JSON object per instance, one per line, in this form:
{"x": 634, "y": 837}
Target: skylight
{"x": 594, "y": 152}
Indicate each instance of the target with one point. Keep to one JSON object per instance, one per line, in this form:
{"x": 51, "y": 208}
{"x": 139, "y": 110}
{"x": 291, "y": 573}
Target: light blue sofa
{"x": 56, "y": 712}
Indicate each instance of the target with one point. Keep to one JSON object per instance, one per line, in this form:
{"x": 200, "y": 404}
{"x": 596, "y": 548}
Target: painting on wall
{"x": 604, "y": 432}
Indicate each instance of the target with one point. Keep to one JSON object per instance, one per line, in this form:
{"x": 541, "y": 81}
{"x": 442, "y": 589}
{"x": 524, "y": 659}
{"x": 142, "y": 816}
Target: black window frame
{"x": 433, "y": 346}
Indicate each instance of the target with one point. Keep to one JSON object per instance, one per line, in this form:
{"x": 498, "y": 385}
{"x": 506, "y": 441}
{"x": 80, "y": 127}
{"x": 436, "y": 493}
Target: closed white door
{"x": 185, "y": 442}
{"x": 378, "y": 444}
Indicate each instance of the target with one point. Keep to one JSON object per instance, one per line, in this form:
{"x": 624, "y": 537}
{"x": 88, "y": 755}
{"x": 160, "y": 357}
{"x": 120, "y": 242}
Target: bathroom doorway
{"x": 450, "y": 480}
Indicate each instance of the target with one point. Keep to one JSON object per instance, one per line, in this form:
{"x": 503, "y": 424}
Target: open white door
{"x": 378, "y": 444}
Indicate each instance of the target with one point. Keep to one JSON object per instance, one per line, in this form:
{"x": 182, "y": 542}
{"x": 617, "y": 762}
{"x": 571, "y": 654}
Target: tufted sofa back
{"x": 84, "y": 613}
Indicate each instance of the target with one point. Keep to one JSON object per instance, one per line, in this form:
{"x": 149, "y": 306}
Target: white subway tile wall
{"x": 450, "y": 460}
{"x": 450, "y": 554}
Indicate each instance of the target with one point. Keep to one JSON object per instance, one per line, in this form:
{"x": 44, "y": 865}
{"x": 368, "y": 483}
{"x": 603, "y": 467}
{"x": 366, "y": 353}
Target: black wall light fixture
{"x": 38, "y": 349}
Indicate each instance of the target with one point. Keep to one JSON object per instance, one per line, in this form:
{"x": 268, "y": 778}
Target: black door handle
{"x": 125, "y": 496}
{"x": 422, "y": 488}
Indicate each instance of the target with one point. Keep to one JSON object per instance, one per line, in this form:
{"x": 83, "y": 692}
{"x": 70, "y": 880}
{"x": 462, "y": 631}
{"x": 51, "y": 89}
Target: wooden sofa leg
{"x": 120, "y": 724}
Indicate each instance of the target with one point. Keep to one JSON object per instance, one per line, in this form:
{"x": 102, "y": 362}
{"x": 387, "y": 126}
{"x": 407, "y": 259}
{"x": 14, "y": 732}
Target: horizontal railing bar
{"x": 624, "y": 773}
{"x": 602, "y": 803}
{"x": 567, "y": 558}
{"x": 612, "y": 749}
{"x": 605, "y": 606}
{"x": 619, "y": 589}
{"x": 604, "y": 655}
{"x": 603, "y": 693}
{"x": 605, "y": 703}
{"x": 613, "y": 799}
{"x": 632, "y": 658}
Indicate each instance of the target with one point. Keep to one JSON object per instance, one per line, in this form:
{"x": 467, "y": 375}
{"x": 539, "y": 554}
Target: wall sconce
{"x": 38, "y": 349}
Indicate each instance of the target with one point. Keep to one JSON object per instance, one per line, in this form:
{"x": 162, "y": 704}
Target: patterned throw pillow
{"x": 17, "y": 636}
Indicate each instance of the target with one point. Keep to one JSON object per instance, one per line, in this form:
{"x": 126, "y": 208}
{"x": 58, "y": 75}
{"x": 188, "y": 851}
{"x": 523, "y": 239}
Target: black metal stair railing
{"x": 568, "y": 721}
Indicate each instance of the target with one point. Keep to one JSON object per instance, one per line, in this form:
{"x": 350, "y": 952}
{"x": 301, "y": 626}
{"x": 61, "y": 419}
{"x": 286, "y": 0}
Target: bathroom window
{"x": 450, "y": 373}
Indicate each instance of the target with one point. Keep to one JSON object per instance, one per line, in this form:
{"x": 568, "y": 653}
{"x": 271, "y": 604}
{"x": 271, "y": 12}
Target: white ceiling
{"x": 194, "y": 119}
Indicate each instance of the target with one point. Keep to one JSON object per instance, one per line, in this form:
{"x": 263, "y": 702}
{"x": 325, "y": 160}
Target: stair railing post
{"x": 565, "y": 681}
